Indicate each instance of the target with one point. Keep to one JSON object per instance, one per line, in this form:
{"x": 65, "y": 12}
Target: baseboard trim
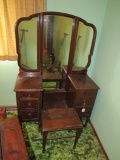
{"x": 10, "y": 108}
{"x": 104, "y": 152}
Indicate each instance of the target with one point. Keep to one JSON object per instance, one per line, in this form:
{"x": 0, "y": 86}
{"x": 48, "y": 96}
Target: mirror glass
{"x": 44, "y": 42}
{"x": 57, "y": 37}
{"x": 27, "y": 33}
{"x": 83, "y": 46}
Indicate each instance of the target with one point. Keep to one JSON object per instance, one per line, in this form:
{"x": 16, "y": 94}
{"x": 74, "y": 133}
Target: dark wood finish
{"x": 75, "y": 70}
{"x": 28, "y": 90}
{"x": 54, "y": 99}
{"x": 50, "y": 36}
{"x": 58, "y": 120}
{"x": 82, "y": 94}
{"x": 12, "y": 141}
{"x": 52, "y": 77}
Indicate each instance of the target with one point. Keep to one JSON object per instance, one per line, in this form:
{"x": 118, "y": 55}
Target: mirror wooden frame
{"x": 40, "y": 20}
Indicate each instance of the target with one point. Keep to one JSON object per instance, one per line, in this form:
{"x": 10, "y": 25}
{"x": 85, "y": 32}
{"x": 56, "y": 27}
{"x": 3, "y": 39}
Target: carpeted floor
{"x": 87, "y": 147}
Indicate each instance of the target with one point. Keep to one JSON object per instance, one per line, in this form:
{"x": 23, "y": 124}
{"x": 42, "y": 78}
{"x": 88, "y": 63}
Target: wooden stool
{"x": 58, "y": 120}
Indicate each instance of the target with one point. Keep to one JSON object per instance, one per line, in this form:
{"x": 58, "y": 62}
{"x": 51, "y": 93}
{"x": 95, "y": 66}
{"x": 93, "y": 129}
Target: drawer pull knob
{"x": 83, "y": 110}
{"x": 29, "y": 114}
{"x": 29, "y": 104}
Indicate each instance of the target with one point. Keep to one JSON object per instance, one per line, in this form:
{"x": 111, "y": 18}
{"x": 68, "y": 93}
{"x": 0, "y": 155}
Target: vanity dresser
{"x": 54, "y": 53}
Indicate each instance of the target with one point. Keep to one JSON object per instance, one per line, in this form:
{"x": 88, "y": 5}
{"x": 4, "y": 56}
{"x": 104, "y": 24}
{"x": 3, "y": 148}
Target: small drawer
{"x": 71, "y": 87}
{"x": 85, "y": 101}
{"x": 81, "y": 112}
{"x": 91, "y": 93}
{"x": 33, "y": 104}
{"x": 29, "y": 94}
{"x": 29, "y": 115}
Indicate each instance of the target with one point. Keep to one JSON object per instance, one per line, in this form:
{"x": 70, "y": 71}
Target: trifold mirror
{"x": 46, "y": 41}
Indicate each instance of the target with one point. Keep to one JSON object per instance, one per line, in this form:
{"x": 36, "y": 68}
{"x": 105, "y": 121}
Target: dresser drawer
{"x": 85, "y": 101}
{"x": 85, "y": 112}
{"x": 29, "y": 115}
{"x": 91, "y": 93}
{"x": 70, "y": 98}
{"x": 29, "y": 94}
{"x": 29, "y": 104}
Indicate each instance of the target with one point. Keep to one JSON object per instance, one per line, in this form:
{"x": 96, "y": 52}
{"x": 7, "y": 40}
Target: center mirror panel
{"x": 57, "y": 37}
{"x": 27, "y": 31}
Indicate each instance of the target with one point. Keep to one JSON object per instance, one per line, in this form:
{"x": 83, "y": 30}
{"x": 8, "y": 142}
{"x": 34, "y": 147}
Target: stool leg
{"x": 78, "y": 132}
{"x": 44, "y": 140}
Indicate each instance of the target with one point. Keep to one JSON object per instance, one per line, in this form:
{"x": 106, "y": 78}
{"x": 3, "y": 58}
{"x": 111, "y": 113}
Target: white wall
{"x": 106, "y": 72}
{"x": 8, "y": 74}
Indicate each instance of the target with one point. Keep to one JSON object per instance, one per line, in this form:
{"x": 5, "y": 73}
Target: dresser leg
{"x": 39, "y": 126}
{"x": 44, "y": 140}
{"x": 78, "y": 133}
{"x": 86, "y": 121}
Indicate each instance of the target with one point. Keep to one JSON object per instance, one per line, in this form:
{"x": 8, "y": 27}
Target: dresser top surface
{"x": 82, "y": 81}
{"x": 28, "y": 83}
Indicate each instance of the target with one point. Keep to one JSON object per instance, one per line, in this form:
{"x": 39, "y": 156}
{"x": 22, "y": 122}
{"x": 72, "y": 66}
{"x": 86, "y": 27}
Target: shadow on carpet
{"x": 62, "y": 149}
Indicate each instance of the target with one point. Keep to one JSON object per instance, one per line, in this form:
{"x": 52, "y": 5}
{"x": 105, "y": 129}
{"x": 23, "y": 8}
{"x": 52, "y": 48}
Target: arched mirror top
{"x": 26, "y": 30}
{"x": 63, "y": 37}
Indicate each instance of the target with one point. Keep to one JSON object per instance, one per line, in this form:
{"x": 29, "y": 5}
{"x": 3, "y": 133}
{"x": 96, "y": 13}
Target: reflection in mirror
{"x": 57, "y": 37}
{"x": 83, "y": 45}
{"x": 27, "y": 31}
